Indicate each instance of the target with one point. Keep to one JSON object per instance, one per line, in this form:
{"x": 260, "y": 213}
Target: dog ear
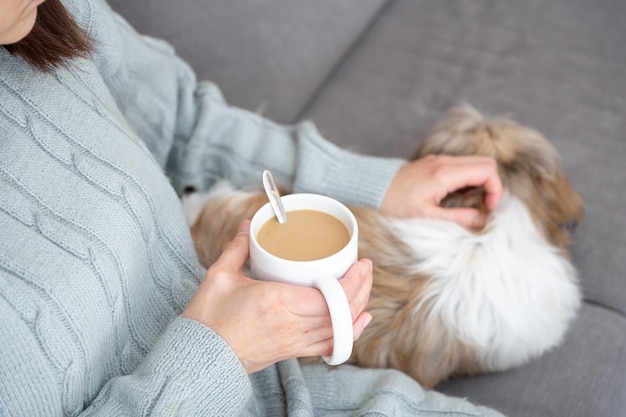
{"x": 536, "y": 177}
{"x": 564, "y": 206}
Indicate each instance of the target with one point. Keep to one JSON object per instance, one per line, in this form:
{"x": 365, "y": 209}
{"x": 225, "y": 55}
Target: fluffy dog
{"x": 449, "y": 301}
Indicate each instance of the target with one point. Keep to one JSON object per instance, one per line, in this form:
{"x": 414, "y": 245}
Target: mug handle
{"x": 340, "y": 316}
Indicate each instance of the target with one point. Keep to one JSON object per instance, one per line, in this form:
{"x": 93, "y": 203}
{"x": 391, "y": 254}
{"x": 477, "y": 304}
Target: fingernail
{"x": 368, "y": 320}
{"x": 479, "y": 221}
{"x": 367, "y": 267}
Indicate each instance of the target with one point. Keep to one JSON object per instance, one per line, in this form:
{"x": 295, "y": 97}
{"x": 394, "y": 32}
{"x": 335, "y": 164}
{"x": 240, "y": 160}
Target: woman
{"x": 104, "y": 308}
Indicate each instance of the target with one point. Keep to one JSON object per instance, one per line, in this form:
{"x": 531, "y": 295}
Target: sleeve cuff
{"x": 346, "y": 176}
{"x": 199, "y": 373}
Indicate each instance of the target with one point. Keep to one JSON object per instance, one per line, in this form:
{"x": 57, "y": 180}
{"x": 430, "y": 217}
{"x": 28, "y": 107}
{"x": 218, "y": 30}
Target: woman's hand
{"x": 420, "y": 185}
{"x": 266, "y": 322}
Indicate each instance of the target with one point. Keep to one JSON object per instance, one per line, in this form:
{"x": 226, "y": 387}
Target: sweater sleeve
{"x": 199, "y": 139}
{"x": 180, "y": 376}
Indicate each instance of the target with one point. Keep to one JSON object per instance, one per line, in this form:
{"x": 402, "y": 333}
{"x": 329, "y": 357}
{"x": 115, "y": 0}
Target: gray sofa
{"x": 375, "y": 75}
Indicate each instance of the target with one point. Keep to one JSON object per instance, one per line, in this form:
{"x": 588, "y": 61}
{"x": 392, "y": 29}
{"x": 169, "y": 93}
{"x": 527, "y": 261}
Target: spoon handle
{"x": 272, "y": 193}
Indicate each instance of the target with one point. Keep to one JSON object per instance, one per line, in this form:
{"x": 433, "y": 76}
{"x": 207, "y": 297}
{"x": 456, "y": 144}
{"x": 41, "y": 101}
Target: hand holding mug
{"x": 266, "y": 322}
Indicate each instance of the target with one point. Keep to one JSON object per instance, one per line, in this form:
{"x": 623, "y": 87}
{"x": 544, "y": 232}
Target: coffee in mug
{"x": 306, "y": 236}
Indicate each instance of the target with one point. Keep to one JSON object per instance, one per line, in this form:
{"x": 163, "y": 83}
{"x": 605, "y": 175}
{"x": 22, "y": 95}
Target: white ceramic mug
{"x": 322, "y": 274}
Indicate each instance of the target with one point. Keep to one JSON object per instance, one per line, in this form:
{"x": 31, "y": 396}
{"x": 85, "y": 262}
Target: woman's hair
{"x": 55, "y": 39}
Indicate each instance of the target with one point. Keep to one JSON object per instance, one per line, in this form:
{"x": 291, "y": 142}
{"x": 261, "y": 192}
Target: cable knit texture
{"x": 96, "y": 261}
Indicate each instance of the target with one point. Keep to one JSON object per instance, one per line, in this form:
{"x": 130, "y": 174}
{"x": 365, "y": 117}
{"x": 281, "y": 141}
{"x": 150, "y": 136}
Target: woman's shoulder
{"x": 103, "y": 26}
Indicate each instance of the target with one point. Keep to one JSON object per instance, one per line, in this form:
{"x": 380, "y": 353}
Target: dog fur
{"x": 448, "y": 301}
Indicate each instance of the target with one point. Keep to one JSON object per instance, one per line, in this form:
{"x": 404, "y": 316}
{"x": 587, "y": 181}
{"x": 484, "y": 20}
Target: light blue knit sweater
{"x": 96, "y": 261}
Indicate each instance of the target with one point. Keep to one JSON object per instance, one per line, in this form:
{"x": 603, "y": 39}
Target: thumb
{"x": 466, "y": 217}
{"x": 238, "y": 250}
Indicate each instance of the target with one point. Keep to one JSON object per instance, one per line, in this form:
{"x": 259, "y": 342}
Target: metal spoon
{"x": 272, "y": 193}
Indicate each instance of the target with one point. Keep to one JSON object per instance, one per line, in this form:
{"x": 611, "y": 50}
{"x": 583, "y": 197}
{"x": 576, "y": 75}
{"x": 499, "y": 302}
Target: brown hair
{"x": 56, "y": 38}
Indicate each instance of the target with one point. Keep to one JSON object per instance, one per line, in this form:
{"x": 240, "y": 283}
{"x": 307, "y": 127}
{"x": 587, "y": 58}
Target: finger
{"x": 321, "y": 340}
{"x": 491, "y": 183}
{"x": 464, "y": 216}
{"x": 357, "y": 283}
{"x": 360, "y": 324}
{"x": 493, "y": 187}
{"x": 304, "y": 301}
{"x": 477, "y": 171}
{"x": 356, "y": 278}
{"x": 320, "y": 348}
{"x": 323, "y": 331}
{"x": 238, "y": 250}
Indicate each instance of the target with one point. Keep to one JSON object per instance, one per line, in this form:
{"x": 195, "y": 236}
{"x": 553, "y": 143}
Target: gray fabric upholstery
{"x": 376, "y": 75}
{"x": 267, "y": 56}
{"x": 583, "y": 377}
{"x": 558, "y": 67}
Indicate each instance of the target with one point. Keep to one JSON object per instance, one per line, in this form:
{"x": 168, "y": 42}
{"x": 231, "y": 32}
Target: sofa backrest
{"x": 266, "y": 55}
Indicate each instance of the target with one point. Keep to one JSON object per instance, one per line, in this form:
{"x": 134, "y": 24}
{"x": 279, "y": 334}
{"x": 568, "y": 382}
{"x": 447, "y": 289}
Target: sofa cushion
{"x": 557, "y": 66}
{"x": 583, "y": 377}
{"x": 266, "y": 55}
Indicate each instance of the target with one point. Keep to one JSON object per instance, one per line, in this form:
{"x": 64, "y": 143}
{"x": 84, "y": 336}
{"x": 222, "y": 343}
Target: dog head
{"x": 529, "y": 167}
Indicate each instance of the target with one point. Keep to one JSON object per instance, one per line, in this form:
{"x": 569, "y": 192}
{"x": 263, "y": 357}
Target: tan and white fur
{"x": 449, "y": 301}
